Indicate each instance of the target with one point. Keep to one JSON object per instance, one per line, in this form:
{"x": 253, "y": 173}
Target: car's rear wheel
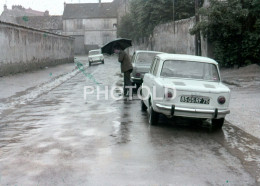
{"x": 153, "y": 116}
{"x": 89, "y": 63}
{"x": 103, "y": 62}
{"x": 217, "y": 123}
{"x": 143, "y": 106}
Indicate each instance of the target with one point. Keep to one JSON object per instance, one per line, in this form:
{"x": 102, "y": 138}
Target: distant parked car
{"x": 186, "y": 86}
{"x": 141, "y": 61}
{"x": 95, "y": 56}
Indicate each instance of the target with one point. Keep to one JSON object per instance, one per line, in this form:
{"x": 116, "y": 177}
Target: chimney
{"x": 46, "y": 13}
{"x": 99, "y": 3}
{"x": 5, "y": 7}
{"x": 64, "y": 5}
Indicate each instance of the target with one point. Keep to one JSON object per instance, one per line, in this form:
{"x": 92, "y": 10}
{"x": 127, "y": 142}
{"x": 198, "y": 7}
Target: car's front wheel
{"x": 153, "y": 116}
{"x": 89, "y": 63}
{"x": 103, "y": 61}
{"x": 217, "y": 123}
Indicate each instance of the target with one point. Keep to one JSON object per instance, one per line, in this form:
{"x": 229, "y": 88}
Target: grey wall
{"x": 23, "y": 49}
{"x": 79, "y": 44}
{"x": 181, "y": 42}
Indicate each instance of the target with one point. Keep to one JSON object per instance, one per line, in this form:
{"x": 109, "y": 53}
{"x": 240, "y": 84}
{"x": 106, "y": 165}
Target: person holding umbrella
{"x": 126, "y": 67}
{"x": 118, "y": 46}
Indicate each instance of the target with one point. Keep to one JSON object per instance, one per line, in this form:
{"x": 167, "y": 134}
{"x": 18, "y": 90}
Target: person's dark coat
{"x": 124, "y": 59}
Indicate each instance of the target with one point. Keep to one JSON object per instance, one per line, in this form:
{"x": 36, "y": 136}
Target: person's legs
{"x": 127, "y": 80}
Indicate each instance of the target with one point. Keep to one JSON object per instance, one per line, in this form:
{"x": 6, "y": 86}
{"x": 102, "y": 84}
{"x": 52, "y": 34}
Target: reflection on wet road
{"x": 62, "y": 139}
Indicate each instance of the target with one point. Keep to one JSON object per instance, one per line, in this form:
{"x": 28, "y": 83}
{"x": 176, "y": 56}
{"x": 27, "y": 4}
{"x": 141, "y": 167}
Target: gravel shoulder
{"x": 245, "y": 97}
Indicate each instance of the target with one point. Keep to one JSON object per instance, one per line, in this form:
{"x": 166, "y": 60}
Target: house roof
{"x": 41, "y": 22}
{"x": 90, "y": 10}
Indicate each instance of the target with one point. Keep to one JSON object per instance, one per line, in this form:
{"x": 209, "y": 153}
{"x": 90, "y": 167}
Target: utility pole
{"x": 173, "y": 12}
{"x": 197, "y": 35}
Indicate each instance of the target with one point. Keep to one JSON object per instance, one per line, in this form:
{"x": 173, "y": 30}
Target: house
{"x": 10, "y": 15}
{"x": 32, "y": 18}
{"x": 91, "y": 24}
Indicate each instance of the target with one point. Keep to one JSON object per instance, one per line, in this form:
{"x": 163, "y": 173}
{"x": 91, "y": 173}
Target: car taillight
{"x": 138, "y": 74}
{"x": 221, "y": 100}
{"x": 169, "y": 95}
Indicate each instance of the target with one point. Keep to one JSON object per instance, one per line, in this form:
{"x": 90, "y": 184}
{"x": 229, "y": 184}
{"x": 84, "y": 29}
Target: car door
{"x": 149, "y": 78}
{"x": 147, "y": 81}
{"x": 154, "y": 84}
{"x": 133, "y": 63}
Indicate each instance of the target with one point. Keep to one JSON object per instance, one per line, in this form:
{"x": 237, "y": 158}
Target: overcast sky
{"x": 55, "y": 7}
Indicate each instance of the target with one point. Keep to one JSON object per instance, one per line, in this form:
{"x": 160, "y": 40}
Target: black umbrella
{"x": 121, "y": 42}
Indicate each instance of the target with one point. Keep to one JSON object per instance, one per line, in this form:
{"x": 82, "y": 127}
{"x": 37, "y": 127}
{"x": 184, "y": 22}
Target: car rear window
{"x": 145, "y": 58}
{"x": 94, "y": 52}
{"x": 190, "y": 69}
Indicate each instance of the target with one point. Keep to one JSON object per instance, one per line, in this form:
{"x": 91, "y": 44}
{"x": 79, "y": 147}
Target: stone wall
{"x": 25, "y": 49}
{"x": 180, "y": 42}
{"x": 164, "y": 39}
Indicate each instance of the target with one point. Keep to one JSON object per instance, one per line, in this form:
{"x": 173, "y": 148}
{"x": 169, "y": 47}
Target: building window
{"x": 106, "y": 38}
{"x": 106, "y": 23}
{"x": 79, "y": 24}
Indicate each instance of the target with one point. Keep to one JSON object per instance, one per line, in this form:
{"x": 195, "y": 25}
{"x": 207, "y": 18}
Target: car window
{"x": 190, "y": 69}
{"x": 145, "y": 58}
{"x": 96, "y": 52}
{"x": 156, "y": 66}
{"x": 133, "y": 58}
{"x": 152, "y": 66}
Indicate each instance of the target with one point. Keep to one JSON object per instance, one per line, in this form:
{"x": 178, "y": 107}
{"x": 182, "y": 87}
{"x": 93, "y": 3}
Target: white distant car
{"x": 141, "y": 60}
{"x": 95, "y": 56}
{"x": 186, "y": 86}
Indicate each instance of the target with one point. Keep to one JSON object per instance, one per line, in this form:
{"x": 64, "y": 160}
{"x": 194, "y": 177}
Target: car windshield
{"x": 145, "y": 58}
{"x": 190, "y": 69}
{"x": 96, "y": 52}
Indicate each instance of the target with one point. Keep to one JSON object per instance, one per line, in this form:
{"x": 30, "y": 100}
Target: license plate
{"x": 195, "y": 99}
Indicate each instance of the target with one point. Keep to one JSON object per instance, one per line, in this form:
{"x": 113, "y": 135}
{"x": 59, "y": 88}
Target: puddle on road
{"x": 89, "y": 132}
{"x": 121, "y": 132}
{"x": 244, "y": 146}
{"x": 44, "y": 144}
{"x": 235, "y": 141}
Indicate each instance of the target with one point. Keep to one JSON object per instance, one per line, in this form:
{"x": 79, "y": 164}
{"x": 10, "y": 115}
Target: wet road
{"x": 62, "y": 139}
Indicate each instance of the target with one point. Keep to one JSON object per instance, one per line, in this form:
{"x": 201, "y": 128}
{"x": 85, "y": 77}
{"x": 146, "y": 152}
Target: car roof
{"x": 185, "y": 57}
{"x": 146, "y": 51}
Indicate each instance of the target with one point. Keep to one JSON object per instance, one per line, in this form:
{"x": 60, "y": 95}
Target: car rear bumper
{"x": 190, "y": 112}
{"x": 95, "y": 60}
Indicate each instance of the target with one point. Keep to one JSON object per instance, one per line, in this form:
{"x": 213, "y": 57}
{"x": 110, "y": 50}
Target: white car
{"x": 95, "y": 56}
{"x": 141, "y": 61}
{"x": 186, "y": 86}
